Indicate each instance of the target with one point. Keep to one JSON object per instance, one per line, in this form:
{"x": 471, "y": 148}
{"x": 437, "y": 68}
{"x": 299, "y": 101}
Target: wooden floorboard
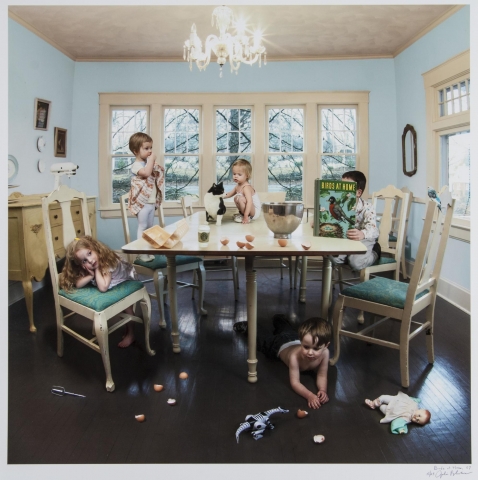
{"x": 215, "y": 399}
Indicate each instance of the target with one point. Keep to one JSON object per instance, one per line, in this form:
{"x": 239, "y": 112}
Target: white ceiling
{"x": 157, "y": 33}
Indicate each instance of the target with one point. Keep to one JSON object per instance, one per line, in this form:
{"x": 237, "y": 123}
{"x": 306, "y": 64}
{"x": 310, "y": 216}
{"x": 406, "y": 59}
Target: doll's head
{"x": 421, "y": 416}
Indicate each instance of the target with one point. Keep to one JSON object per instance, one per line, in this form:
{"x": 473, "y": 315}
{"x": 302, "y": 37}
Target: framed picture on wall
{"x": 60, "y": 142}
{"x": 41, "y": 119}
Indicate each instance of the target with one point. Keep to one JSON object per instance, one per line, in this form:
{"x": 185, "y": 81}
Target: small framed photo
{"x": 60, "y": 142}
{"x": 41, "y": 119}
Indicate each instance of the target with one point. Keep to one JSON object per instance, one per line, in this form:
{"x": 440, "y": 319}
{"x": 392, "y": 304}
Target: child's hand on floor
{"x": 313, "y": 401}
{"x": 323, "y": 397}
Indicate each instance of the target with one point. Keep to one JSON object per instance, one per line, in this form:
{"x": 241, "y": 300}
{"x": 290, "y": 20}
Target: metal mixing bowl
{"x": 283, "y": 218}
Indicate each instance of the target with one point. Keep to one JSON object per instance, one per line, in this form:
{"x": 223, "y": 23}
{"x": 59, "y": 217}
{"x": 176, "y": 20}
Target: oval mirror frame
{"x": 412, "y": 136}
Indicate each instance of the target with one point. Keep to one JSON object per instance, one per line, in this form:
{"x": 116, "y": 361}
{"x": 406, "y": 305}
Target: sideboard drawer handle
{"x": 77, "y": 212}
{"x": 55, "y": 217}
{"x": 78, "y": 231}
{"x": 56, "y": 238}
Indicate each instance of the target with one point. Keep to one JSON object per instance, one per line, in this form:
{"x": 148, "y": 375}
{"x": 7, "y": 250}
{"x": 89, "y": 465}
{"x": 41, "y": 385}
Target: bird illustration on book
{"x": 336, "y": 211}
{"x": 433, "y": 195}
{"x": 258, "y": 422}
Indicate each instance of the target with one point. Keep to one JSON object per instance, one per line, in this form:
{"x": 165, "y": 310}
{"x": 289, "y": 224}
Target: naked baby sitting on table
{"x": 302, "y": 350}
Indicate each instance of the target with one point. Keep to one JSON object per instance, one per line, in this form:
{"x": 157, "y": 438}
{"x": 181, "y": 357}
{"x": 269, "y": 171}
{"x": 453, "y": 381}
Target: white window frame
{"x": 358, "y": 164}
{"x": 161, "y": 151}
{"x": 451, "y": 71}
{"x": 248, "y": 154}
{"x": 208, "y": 102}
{"x": 303, "y": 153}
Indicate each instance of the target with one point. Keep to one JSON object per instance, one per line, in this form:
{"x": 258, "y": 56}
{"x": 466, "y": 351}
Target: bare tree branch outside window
{"x": 233, "y": 141}
{"x": 339, "y": 149}
{"x": 286, "y": 139}
{"x": 124, "y": 123}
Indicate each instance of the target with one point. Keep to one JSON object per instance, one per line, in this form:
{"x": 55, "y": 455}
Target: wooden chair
{"x": 400, "y": 301}
{"x": 88, "y": 301}
{"x": 393, "y": 233}
{"x": 392, "y": 220}
{"x": 278, "y": 197}
{"x": 211, "y": 264}
{"x": 157, "y": 271}
{"x": 395, "y": 204}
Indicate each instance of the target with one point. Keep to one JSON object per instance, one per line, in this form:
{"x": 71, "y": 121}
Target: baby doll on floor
{"x": 400, "y": 410}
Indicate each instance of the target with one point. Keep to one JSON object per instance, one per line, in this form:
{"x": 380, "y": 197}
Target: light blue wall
{"x": 443, "y": 42}
{"x": 36, "y": 70}
{"x": 376, "y": 76}
{"x": 396, "y": 97}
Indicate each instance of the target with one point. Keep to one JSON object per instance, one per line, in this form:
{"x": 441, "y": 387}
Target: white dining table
{"x": 264, "y": 245}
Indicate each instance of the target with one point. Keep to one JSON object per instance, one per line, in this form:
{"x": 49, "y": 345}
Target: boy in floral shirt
{"x": 365, "y": 229}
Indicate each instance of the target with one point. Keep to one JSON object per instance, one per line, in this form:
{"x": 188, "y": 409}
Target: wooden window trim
{"x": 208, "y": 102}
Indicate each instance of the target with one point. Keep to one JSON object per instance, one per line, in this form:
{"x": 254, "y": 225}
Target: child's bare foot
{"x": 127, "y": 339}
{"x": 376, "y": 403}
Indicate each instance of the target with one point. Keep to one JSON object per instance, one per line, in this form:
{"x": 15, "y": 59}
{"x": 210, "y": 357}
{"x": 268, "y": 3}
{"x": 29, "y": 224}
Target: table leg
{"x": 251, "y": 292}
{"x": 28, "y": 292}
{"x": 173, "y": 303}
{"x": 326, "y": 280}
{"x": 303, "y": 280}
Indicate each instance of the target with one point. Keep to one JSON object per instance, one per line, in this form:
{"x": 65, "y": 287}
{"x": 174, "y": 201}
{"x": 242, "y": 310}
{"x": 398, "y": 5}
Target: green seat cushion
{"x": 381, "y": 290}
{"x": 91, "y": 297}
{"x": 385, "y": 261}
{"x": 160, "y": 261}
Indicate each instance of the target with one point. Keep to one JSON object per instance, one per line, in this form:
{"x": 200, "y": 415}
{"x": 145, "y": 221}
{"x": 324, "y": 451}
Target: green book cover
{"x": 334, "y": 207}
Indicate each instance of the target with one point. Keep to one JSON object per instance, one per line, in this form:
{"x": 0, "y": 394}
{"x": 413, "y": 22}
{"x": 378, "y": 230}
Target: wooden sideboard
{"x": 27, "y": 254}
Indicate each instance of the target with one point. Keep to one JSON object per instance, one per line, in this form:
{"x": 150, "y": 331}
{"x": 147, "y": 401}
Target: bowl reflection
{"x": 283, "y": 218}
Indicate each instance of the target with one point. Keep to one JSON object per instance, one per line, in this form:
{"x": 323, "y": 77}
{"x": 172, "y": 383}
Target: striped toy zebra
{"x": 258, "y": 422}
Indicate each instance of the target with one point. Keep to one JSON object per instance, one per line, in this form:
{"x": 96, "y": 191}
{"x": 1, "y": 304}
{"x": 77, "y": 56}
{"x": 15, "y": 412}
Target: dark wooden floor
{"x": 213, "y": 401}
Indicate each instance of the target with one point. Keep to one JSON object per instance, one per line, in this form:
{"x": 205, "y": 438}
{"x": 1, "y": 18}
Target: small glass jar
{"x": 203, "y": 235}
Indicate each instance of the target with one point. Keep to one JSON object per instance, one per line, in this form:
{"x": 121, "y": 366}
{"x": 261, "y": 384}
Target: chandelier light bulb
{"x": 237, "y": 48}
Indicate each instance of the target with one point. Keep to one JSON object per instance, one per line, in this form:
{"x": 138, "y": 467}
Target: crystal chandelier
{"x": 239, "y": 48}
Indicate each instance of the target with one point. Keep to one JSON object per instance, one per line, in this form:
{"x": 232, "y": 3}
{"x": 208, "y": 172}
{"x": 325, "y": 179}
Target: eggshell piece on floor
{"x": 171, "y": 401}
{"x": 302, "y": 413}
{"x": 319, "y": 438}
{"x": 183, "y": 375}
{"x": 157, "y": 388}
{"x": 140, "y": 418}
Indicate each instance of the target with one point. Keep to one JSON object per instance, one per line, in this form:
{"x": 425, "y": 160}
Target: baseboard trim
{"x": 15, "y": 290}
{"x": 451, "y": 292}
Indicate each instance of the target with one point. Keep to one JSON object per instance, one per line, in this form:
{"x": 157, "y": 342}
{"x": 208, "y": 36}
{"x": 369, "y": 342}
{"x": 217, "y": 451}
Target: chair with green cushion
{"x": 88, "y": 301}
{"x": 400, "y": 301}
{"x": 157, "y": 271}
{"x": 393, "y": 217}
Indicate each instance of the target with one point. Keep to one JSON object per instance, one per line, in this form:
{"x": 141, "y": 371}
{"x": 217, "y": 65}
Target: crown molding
{"x": 39, "y": 34}
{"x": 453, "y": 9}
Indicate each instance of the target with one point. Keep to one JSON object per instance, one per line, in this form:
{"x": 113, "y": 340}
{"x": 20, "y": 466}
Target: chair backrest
{"x": 431, "y": 249}
{"x": 124, "y": 219}
{"x": 187, "y": 205}
{"x": 64, "y": 196}
{"x": 272, "y": 196}
{"x": 395, "y": 204}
